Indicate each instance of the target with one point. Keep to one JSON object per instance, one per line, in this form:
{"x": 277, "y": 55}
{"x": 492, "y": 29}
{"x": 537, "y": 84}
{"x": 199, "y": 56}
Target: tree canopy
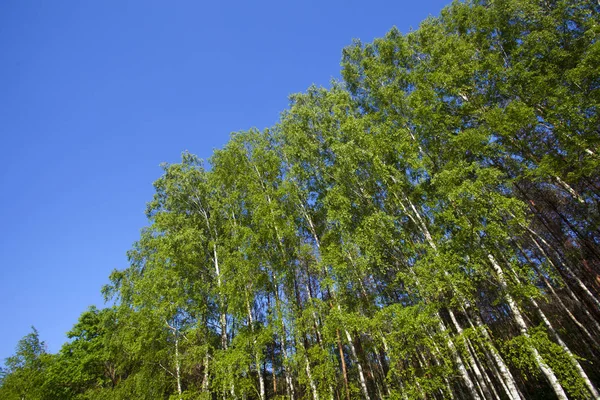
{"x": 427, "y": 227}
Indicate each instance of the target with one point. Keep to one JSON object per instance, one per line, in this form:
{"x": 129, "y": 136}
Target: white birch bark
{"x": 206, "y": 376}
{"x": 316, "y": 324}
{"x": 223, "y": 315}
{"x": 508, "y": 380}
{"x": 567, "y": 288}
{"x": 177, "y": 365}
{"x": 546, "y": 370}
{"x": 563, "y": 345}
{"x": 566, "y": 349}
{"x": 481, "y": 384}
{"x": 569, "y": 313}
{"x": 563, "y": 265}
{"x": 507, "y": 377}
{"x": 569, "y": 189}
{"x": 177, "y": 374}
{"x": 361, "y": 375}
{"x": 288, "y": 378}
{"x": 450, "y": 393}
{"x": 311, "y": 382}
{"x": 494, "y": 393}
{"x": 261, "y": 380}
{"x": 459, "y": 362}
{"x": 429, "y": 239}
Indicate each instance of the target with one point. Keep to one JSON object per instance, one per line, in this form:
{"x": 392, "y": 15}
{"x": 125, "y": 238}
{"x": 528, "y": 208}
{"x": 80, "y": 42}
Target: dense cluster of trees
{"x": 427, "y": 228}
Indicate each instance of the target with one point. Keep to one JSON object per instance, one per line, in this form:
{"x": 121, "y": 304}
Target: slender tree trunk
{"x": 375, "y": 380}
{"x": 558, "y": 299}
{"x": 206, "y": 371}
{"x": 316, "y": 324}
{"x": 274, "y": 376}
{"x": 484, "y": 390}
{"x": 496, "y": 372}
{"x": 261, "y": 380}
{"x": 450, "y": 392}
{"x": 569, "y": 189}
{"x": 458, "y": 360}
{"x": 387, "y": 351}
{"x": 177, "y": 374}
{"x": 546, "y": 370}
{"x": 361, "y": 374}
{"x": 311, "y": 382}
{"x": 422, "y": 363}
{"x": 288, "y": 378}
{"x": 363, "y": 382}
{"x": 580, "y": 283}
{"x": 178, "y": 367}
{"x": 562, "y": 344}
{"x": 382, "y": 371}
{"x": 289, "y": 381}
{"x": 509, "y": 381}
{"x": 273, "y": 372}
{"x": 223, "y": 314}
{"x": 420, "y": 222}
{"x": 566, "y": 349}
{"x": 494, "y": 394}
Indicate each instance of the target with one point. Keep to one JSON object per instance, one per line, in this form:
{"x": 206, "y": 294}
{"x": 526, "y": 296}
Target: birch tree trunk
{"x": 343, "y": 362}
{"x": 572, "y": 275}
{"x": 546, "y": 370}
{"x": 206, "y": 371}
{"x": 311, "y": 382}
{"x": 261, "y": 380}
{"x": 288, "y": 378}
{"x": 177, "y": 359}
{"x": 509, "y": 381}
{"x": 419, "y": 221}
{"x": 564, "y": 265}
{"x": 482, "y": 385}
{"x": 361, "y": 375}
{"x": 566, "y": 349}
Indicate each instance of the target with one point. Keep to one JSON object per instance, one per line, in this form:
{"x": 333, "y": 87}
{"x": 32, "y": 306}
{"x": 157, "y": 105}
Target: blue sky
{"x": 94, "y": 95}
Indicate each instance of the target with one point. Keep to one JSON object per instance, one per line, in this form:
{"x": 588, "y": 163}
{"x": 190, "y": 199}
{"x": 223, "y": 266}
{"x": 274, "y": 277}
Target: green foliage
{"x": 24, "y": 375}
{"x": 383, "y": 240}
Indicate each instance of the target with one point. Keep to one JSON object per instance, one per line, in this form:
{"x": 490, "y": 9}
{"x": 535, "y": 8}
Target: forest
{"x": 428, "y": 227}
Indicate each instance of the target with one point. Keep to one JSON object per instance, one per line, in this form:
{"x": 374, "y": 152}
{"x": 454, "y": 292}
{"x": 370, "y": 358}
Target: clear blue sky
{"x": 94, "y": 95}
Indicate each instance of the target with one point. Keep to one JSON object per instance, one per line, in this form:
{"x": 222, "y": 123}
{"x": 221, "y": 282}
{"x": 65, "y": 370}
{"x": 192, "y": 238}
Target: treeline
{"x": 427, "y": 228}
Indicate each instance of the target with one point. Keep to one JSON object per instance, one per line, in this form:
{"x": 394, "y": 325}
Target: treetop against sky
{"x": 96, "y": 95}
